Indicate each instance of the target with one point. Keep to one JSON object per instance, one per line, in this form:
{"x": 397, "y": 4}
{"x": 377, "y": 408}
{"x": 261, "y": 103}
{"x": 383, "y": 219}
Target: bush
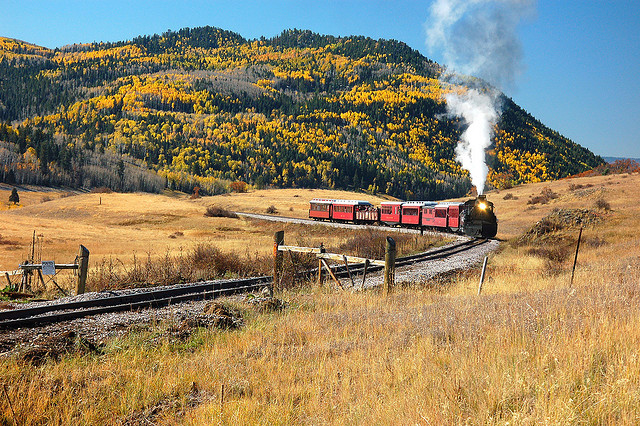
{"x": 272, "y": 209}
{"x": 238, "y": 186}
{"x": 601, "y": 203}
{"x": 214, "y": 211}
{"x": 545, "y": 196}
{"x": 509, "y": 196}
{"x": 203, "y": 262}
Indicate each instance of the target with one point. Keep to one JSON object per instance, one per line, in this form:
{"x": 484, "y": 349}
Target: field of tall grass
{"x": 208, "y": 261}
{"x": 530, "y": 349}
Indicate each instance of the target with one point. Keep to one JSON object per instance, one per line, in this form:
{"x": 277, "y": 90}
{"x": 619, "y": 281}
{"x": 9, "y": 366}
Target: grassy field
{"x": 529, "y": 350}
{"x": 120, "y": 229}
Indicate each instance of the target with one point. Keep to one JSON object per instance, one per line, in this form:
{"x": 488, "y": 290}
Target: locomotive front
{"x": 478, "y": 218}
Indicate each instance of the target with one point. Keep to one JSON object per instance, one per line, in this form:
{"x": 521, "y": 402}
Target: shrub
{"x": 203, "y": 262}
{"x": 594, "y": 242}
{"x": 272, "y": 209}
{"x": 602, "y": 204}
{"x": 554, "y": 254}
{"x": 196, "y": 193}
{"x": 215, "y": 211}
{"x": 545, "y": 196}
{"x": 509, "y": 196}
{"x": 238, "y": 186}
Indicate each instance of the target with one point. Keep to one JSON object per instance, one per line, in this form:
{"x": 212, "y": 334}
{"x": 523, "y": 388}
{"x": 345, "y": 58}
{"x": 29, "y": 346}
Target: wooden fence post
{"x": 389, "y": 265}
{"x": 364, "y": 274}
{"x": 322, "y": 250}
{"x": 278, "y": 239}
{"x": 319, "y": 272}
{"x": 83, "y": 267}
{"x": 484, "y": 268}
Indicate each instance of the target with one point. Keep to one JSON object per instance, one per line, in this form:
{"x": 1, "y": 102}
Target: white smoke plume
{"x": 479, "y": 38}
{"x": 479, "y": 110}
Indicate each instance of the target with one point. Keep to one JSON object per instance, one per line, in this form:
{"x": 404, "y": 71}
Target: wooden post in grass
{"x": 322, "y": 250}
{"x": 83, "y": 267}
{"x": 575, "y": 259}
{"x": 346, "y": 265}
{"x": 389, "y": 265}
{"x": 331, "y": 274}
{"x": 484, "y": 269}
{"x": 278, "y": 239}
{"x": 364, "y": 275}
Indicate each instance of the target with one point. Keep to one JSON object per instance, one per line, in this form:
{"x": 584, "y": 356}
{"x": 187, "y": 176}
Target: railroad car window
{"x": 320, "y": 207}
{"x": 385, "y": 210}
{"x": 441, "y": 213}
{"x": 411, "y": 212}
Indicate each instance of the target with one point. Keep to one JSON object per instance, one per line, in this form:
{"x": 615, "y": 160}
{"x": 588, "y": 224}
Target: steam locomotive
{"x": 474, "y": 217}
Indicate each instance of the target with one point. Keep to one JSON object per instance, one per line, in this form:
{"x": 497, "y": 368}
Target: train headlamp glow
{"x": 482, "y": 206}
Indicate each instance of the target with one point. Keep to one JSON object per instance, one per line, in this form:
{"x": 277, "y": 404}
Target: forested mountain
{"x": 207, "y": 107}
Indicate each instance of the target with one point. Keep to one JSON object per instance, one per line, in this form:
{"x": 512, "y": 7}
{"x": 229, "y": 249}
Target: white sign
{"x": 48, "y": 267}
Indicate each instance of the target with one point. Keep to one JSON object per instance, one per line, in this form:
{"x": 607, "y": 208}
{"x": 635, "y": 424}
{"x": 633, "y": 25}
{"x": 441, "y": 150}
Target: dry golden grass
{"x": 119, "y": 225}
{"x": 529, "y": 350}
{"x": 551, "y": 356}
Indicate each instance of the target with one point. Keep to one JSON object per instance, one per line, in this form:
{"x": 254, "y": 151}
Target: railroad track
{"x": 48, "y": 314}
{"x": 434, "y": 254}
{"x": 342, "y": 225}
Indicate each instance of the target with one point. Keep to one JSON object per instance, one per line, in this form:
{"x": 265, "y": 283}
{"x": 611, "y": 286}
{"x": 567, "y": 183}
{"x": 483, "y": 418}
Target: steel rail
{"x": 435, "y": 254}
{"x": 151, "y": 299}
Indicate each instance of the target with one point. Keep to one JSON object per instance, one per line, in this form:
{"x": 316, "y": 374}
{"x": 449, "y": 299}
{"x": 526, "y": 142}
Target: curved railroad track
{"x": 343, "y": 225}
{"x": 58, "y": 312}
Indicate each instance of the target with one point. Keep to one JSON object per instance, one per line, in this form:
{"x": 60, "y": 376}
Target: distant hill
{"x": 614, "y": 159}
{"x": 206, "y": 107}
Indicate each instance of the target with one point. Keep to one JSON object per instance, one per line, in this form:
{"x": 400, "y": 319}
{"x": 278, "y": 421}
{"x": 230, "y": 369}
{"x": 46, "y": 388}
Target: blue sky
{"x": 581, "y": 58}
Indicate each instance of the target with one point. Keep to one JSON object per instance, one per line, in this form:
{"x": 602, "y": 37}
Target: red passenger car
{"x": 440, "y": 219}
{"x": 411, "y": 212}
{"x": 390, "y": 212}
{"x": 346, "y": 209}
{"x": 367, "y": 214}
{"x": 454, "y": 216}
{"x": 429, "y": 214}
{"x": 320, "y": 208}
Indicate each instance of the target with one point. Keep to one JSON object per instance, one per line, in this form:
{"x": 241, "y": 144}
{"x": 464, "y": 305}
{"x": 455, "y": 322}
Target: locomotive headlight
{"x": 482, "y": 206}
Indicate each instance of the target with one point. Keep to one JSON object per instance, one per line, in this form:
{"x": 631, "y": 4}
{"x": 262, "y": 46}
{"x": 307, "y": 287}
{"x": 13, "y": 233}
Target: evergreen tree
{"x": 14, "y": 197}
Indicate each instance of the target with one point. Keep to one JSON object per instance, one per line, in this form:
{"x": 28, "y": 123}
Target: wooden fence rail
{"x": 323, "y": 256}
{"x": 330, "y": 256}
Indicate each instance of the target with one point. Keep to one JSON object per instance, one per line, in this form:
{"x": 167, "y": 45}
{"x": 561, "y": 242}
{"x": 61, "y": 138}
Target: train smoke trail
{"x": 479, "y": 38}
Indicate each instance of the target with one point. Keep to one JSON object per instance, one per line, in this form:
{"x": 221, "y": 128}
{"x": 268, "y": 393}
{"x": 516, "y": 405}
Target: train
{"x": 474, "y": 217}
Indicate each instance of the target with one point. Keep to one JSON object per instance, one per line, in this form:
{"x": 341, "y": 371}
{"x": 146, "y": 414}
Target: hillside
{"x": 206, "y": 107}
